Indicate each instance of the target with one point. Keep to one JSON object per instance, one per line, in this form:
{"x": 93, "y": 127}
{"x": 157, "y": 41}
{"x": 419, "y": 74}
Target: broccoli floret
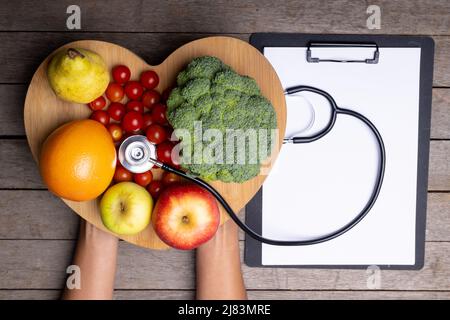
{"x": 184, "y": 116}
{"x": 175, "y": 99}
{"x": 203, "y": 67}
{"x": 211, "y": 92}
{"x": 231, "y": 80}
{"x": 195, "y": 88}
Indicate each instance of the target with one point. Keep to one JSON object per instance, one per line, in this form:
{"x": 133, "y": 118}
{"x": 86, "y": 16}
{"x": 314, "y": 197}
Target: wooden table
{"x": 38, "y": 232}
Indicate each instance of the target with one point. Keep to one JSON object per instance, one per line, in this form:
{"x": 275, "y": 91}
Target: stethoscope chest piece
{"x": 137, "y": 154}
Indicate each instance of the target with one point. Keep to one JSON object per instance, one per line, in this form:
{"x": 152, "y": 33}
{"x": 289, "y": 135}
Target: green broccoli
{"x": 212, "y": 93}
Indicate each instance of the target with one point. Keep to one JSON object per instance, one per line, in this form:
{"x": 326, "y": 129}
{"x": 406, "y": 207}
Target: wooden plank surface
{"x": 19, "y": 170}
{"x": 221, "y": 16}
{"x": 13, "y": 97}
{"x": 252, "y": 294}
{"x": 34, "y": 269}
{"x": 38, "y": 264}
{"x": 44, "y": 216}
{"x": 19, "y": 62}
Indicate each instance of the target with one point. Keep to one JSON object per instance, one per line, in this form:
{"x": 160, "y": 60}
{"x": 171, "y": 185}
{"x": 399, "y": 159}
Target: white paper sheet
{"x": 318, "y": 187}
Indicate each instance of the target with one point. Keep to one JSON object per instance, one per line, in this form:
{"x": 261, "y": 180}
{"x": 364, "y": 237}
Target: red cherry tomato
{"x": 122, "y": 174}
{"x": 114, "y": 92}
{"x": 149, "y": 79}
{"x": 143, "y": 179}
{"x": 169, "y": 177}
{"x": 155, "y": 188}
{"x": 121, "y": 74}
{"x": 150, "y": 97}
{"x": 148, "y": 120}
{"x": 156, "y": 133}
{"x": 116, "y": 131}
{"x": 159, "y": 113}
{"x": 100, "y": 116}
{"x": 164, "y": 152}
{"x": 132, "y": 121}
{"x": 166, "y": 94}
{"x": 135, "y": 106}
{"x": 133, "y": 90}
{"x": 116, "y": 110}
{"x": 98, "y": 104}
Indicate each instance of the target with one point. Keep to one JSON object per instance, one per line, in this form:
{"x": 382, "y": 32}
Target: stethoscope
{"x": 138, "y": 155}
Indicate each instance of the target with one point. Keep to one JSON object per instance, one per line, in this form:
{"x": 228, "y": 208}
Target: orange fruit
{"x": 78, "y": 160}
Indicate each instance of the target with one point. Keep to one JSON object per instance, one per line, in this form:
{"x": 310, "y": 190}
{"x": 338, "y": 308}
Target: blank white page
{"x": 316, "y": 188}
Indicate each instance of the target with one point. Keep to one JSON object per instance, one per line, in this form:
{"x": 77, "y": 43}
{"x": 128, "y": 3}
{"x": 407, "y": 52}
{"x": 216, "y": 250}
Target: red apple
{"x": 185, "y": 216}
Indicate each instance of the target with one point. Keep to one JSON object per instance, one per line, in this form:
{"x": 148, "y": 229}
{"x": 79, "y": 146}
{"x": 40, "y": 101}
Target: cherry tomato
{"x": 100, "y": 116}
{"x": 116, "y": 110}
{"x": 135, "y": 106}
{"x": 155, "y": 188}
{"x": 133, "y": 90}
{"x": 148, "y": 120}
{"x": 156, "y": 133}
{"x": 149, "y": 79}
{"x": 121, "y": 74}
{"x": 132, "y": 121}
{"x": 114, "y": 92}
{"x": 166, "y": 94}
{"x": 150, "y": 97}
{"x": 98, "y": 104}
{"x": 122, "y": 174}
{"x": 169, "y": 177}
{"x": 143, "y": 179}
{"x": 159, "y": 113}
{"x": 116, "y": 131}
{"x": 164, "y": 152}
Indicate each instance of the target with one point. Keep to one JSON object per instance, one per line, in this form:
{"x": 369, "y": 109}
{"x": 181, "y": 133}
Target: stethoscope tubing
{"x": 335, "y": 110}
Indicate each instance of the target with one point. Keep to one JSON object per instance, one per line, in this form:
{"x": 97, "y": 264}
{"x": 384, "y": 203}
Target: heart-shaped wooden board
{"x": 44, "y": 112}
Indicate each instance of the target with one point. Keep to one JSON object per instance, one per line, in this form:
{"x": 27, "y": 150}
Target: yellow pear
{"x": 78, "y": 75}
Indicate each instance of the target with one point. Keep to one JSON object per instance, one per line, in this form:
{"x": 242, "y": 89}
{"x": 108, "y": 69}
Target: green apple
{"x": 126, "y": 208}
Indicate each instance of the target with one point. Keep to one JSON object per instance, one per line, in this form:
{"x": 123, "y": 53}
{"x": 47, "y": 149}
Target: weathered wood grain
{"x": 19, "y": 62}
{"x": 29, "y": 214}
{"x": 440, "y": 115}
{"x": 252, "y": 295}
{"x": 11, "y": 106}
{"x": 441, "y": 73}
{"x": 438, "y": 217}
{"x": 37, "y": 214}
{"x": 13, "y": 97}
{"x": 37, "y": 264}
{"x": 19, "y": 170}
{"x": 311, "y": 16}
{"x": 439, "y": 170}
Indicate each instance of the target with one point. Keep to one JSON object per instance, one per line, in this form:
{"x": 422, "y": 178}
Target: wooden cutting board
{"x": 44, "y": 112}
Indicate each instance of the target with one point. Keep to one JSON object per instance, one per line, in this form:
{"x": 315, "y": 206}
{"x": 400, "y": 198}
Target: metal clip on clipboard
{"x": 312, "y": 45}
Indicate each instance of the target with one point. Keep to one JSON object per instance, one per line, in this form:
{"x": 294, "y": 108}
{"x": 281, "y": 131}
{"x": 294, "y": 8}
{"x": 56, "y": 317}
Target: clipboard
{"x": 253, "y": 254}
